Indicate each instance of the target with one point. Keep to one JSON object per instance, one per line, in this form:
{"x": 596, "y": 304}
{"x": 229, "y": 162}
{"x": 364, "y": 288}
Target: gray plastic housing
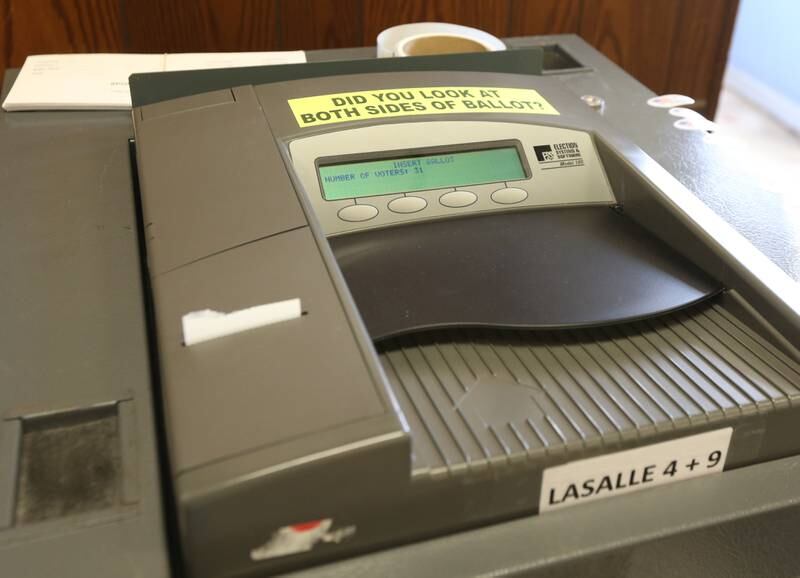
{"x": 298, "y": 421}
{"x": 262, "y": 410}
{"x": 79, "y": 471}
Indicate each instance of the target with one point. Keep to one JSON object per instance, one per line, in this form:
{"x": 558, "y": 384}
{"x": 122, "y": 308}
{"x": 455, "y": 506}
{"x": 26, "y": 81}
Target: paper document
{"x": 100, "y": 81}
{"x": 201, "y": 60}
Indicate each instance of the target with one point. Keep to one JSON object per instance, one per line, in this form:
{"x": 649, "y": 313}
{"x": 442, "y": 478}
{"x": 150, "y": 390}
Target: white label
{"x": 694, "y": 123}
{"x": 633, "y": 470}
{"x": 670, "y": 100}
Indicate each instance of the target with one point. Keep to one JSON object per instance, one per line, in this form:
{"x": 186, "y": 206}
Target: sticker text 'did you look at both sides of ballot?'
{"x": 371, "y": 104}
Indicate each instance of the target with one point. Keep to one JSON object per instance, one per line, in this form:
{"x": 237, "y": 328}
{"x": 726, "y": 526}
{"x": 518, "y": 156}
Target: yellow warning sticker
{"x": 369, "y": 104}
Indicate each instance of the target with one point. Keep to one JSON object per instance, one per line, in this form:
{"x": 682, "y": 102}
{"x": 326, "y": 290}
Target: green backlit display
{"x": 418, "y": 173}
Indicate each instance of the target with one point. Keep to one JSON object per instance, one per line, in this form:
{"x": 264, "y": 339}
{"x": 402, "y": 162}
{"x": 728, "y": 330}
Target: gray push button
{"x": 457, "y": 199}
{"x": 407, "y": 205}
{"x": 355, "y": 213}
{"x": 509, "y": 196}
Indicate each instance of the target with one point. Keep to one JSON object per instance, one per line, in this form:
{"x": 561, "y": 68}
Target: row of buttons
{"x": 453, "y": 199}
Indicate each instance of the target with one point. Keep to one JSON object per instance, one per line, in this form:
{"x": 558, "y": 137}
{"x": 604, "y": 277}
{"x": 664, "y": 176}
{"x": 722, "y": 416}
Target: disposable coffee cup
{"x": 388, "y": 41}
{"x": 427, "y": 44}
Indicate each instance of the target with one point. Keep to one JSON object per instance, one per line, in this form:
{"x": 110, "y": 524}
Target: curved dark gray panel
{"x": 566, "y": 267}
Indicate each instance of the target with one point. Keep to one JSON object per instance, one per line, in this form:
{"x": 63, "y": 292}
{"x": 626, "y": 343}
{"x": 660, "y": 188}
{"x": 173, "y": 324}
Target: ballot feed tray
{"x": 477, "y": 399}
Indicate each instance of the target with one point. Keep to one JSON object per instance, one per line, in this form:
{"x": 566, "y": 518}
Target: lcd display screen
{"x": 420, "y": 172}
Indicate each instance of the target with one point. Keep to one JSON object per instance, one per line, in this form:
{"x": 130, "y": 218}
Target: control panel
{"x": 390, "y": 174}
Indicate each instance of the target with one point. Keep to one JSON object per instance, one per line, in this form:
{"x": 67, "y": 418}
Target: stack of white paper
{"x": 100, "y": 81}
{"x": 200, "y": 60}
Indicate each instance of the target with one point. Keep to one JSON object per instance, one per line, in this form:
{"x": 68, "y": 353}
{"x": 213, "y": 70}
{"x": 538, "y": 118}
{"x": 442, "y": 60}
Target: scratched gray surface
{"x": 73, "y": 335}
{"x": 738, "y": 525}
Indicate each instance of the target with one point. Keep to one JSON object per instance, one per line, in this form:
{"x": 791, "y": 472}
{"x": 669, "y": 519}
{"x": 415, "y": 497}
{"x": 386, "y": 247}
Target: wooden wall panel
{"x": 201, "y": 25}
{"x": 6, "y": 38}
{"x": 669, "y": 45}
{"x": 638, "y": 35}
{"x": 531, "y": 17}
{"x": 489, "y": 15}
{"x": 48, "y": 26}
{"x": 311, "y": 24}
{"x": 700, "y": 50}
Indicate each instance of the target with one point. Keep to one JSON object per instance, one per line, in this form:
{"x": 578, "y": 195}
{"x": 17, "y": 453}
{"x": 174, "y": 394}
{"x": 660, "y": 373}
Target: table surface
{"x": 74, "y": 332}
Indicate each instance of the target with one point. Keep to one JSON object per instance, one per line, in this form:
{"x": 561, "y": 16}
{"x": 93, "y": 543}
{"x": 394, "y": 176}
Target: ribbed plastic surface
{"x": 478, "y": 396}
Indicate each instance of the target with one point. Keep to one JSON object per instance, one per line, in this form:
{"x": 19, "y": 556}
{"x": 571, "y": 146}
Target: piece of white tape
{"x": 670, "y": 100}
{"x": 204, "y": 325}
